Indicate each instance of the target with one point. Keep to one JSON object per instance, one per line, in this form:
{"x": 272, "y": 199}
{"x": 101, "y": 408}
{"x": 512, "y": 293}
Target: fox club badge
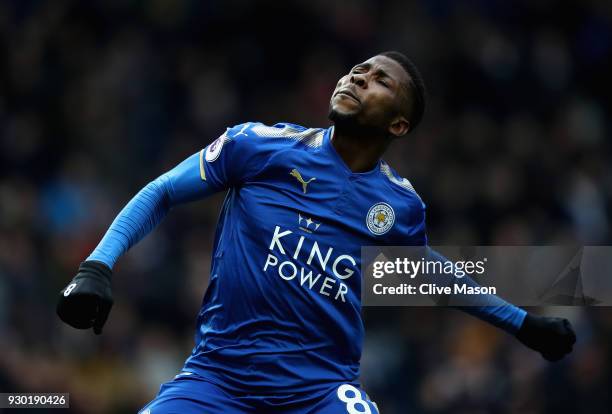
{"x": 380, "y": 218}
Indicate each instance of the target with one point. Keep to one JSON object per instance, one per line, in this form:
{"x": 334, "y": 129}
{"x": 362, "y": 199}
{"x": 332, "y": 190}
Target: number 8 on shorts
{"x": 351, "y": 396}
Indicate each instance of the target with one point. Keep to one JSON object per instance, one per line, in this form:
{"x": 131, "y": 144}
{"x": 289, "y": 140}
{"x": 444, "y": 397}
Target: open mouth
{"x": 349, "y": 94}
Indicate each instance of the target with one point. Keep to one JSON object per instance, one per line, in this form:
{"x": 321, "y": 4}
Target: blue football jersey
{"x": 283, "y": 307}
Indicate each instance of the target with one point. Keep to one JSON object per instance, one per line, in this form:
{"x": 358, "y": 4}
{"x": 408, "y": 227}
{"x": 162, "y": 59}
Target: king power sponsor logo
{"x": 315, "y": 267}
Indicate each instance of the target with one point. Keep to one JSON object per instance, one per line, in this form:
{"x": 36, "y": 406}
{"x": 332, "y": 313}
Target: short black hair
{"x": 416, "y": 85}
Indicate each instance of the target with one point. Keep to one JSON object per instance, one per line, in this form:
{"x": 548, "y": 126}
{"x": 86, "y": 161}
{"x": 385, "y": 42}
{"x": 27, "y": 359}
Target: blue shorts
{"x": 189, "y": 393}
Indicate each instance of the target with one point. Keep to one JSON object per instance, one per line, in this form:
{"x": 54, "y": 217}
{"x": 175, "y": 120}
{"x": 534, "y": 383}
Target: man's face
{"x": 371, "y": 95}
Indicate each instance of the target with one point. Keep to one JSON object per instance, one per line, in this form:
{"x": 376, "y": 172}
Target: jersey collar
{"x": 327, "y": 143}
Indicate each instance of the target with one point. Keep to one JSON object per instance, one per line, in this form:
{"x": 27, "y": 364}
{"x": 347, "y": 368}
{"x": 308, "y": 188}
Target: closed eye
{"x": 359, "y": 69}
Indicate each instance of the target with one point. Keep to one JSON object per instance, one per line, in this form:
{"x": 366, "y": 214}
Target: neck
{"x": 359, "y": 153}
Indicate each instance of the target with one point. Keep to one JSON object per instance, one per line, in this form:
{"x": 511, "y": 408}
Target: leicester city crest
{"x": 380, "y": 218}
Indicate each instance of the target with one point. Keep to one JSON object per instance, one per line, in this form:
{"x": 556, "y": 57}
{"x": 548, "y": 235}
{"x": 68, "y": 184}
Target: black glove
{"x": 87, "y": 300}
{"x": 552, "y": 337}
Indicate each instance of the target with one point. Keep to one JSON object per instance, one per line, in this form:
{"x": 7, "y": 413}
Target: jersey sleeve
{"x": 233, "y": 157}
{"x": 488, "y": 307}
{"x": 417, "y": 230}
{"x": 226, "y": 162}
{"x": 149, "y": 206}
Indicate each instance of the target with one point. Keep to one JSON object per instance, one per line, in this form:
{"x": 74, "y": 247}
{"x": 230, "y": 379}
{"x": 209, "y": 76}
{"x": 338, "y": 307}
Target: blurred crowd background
{"x": 99, "y": 97}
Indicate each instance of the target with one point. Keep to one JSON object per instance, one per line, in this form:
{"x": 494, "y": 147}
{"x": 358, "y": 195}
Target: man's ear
{"x": 399, "y": 127}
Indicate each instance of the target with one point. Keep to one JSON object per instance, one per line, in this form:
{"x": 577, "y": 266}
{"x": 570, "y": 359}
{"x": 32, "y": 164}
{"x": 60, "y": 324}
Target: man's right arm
{"x": 87, "y": 300}
{"x": 147, "y": 209}
{"x": 227, "y": 162}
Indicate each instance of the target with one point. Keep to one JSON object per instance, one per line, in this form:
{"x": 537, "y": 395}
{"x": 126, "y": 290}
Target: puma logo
{"x": 298, "y": 176}
{"x": 241, "y": 132}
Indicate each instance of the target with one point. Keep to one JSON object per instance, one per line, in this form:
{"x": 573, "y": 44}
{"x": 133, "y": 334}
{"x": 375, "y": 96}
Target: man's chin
{"x": 338, "y": 115}
{"x": 351, "y": 124}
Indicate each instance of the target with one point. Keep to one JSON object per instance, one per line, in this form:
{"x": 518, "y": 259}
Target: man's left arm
{"x": 552, "y": 337}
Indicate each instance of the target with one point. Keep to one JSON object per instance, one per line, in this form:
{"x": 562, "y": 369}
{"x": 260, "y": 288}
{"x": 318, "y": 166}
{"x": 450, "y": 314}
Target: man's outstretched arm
{"x": 227, "y": 162}
{"x": 86, "y": 301}
{"x": 552, "y": 337}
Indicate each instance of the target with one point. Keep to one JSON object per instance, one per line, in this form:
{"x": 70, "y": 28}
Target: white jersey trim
{"x": 310, "y": 137}
{"x": 404, "y": 183}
